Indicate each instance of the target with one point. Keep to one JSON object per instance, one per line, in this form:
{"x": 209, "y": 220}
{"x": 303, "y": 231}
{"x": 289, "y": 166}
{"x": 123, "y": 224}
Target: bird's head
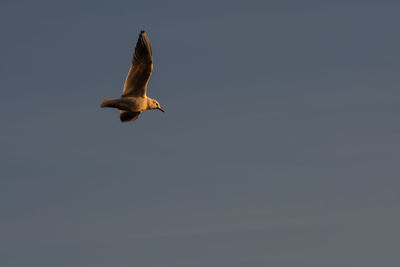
{"x": 153, "y": 104}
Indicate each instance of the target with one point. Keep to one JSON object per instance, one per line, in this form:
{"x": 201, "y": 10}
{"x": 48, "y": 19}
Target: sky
{"x": 279, "y": 145}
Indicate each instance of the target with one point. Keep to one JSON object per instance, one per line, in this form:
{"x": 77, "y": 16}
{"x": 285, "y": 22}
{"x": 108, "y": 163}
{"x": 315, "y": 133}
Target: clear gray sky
{"x": 279, "y": 145}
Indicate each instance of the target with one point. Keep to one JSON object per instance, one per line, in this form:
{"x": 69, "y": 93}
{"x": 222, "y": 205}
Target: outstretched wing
{"x": 141, "y": 68}
{"x": 127, "y": 116}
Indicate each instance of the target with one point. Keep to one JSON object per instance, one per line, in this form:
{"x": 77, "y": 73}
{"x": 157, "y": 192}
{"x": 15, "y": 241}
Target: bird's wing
{"x": 141, "y": 68}
{"x": 127, "y": 116}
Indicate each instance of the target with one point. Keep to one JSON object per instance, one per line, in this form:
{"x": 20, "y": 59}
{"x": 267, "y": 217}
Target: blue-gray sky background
{"x": 279, "y": 145}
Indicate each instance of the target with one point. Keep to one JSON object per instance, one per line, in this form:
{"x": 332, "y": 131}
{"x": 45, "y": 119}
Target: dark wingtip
{"x": 142, "y": 31}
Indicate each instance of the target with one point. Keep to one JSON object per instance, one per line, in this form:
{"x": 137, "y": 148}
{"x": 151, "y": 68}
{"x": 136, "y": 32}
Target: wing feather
{"x": 127, "y": 116}
{"x": 140, "y": 71}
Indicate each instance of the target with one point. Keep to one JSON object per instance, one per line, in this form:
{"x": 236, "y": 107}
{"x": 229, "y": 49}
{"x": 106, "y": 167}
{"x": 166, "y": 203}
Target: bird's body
{"x": 134, "y": 100}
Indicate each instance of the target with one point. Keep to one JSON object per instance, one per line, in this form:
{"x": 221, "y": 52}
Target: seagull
{"x": 134, "y": 100}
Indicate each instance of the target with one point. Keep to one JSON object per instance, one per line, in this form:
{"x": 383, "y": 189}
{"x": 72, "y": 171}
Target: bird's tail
{"x": 109, "y": 103}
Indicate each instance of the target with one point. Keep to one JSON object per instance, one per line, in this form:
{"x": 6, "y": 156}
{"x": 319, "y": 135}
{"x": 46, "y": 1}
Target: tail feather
{"x": 122, "y": 104}
{"x": 109, "y": 102}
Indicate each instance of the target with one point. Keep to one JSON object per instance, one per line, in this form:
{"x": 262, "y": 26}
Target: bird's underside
{"x": 134, "y": 100}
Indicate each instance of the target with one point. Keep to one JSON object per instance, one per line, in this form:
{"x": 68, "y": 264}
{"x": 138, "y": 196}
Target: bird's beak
{"x": 161, "y": 109}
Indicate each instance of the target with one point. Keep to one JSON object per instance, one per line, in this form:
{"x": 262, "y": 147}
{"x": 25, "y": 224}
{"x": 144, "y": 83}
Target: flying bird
{"x": 134, "y": 99}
